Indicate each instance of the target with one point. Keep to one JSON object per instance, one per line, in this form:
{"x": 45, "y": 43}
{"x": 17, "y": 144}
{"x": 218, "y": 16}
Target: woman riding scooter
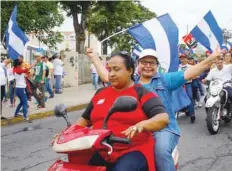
{"x": 150, "y": 116}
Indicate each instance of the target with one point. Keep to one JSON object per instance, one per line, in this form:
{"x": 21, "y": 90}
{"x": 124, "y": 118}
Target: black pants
{"x": 2, "y": 94}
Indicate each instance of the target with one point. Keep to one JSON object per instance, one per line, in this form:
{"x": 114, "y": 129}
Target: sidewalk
{"x": 75, "y": 98}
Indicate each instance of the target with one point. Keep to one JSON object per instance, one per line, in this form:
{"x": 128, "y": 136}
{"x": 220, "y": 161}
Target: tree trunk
{"x": 80, "y": 29}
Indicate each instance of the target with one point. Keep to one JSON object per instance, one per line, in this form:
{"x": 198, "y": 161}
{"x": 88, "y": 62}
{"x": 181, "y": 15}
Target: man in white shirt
{"x": 58, "y": 72}
{"x": 223, "y": 72}
{"x": 188, "y": 85}
{"x": 3, "y": 80}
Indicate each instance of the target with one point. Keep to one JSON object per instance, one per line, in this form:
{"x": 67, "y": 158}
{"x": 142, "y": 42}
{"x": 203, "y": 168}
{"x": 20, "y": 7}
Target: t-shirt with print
{"x": 50, "y": 67}
{"x": 39, "y": 68}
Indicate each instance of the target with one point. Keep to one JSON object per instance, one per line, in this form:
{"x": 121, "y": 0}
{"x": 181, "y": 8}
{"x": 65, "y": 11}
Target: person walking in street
{"x": 20, "y": 86}
{"x": 94, "y": 76}
{"x": 49, "y": 74}
{"x": 58, "y": 72}
{"x": 188, "y": 85}
{"x": 39, "y": 80}
{"x": 3, "y": 81}
{"x": 11, "y": 83}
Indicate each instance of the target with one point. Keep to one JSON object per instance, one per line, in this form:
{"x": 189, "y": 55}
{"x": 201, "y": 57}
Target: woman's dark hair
{"x": 16, "y": 63}
{"x": 128, "y": 61}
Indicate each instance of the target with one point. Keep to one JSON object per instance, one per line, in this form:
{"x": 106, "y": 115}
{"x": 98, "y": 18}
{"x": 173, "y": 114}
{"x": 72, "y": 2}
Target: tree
{"x": 75, "y": 8}
{"x": 110, "y": 17}
{"x": 34, "y": 16}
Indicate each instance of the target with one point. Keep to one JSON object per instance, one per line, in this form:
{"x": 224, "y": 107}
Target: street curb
{"x": 40, "y": 115}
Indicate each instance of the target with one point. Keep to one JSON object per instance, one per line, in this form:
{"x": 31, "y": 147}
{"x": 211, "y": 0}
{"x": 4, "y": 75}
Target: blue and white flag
{"x": 15, "y": 37}
{"x": 226, "y": 47}
{"x": 160, "y": 34}
{"x": 208, "y": 33}
{"x": 136, "y": 51}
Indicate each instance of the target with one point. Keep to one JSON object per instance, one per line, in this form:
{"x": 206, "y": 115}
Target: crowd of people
{"x": 120, "y": 74}
{"x": 26, "y": 81}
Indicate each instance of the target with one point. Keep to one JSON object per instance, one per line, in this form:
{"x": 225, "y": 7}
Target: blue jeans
{"x": 190, "y": 108}
{"x": 95, "y": 80}
{"x": 12, "y": 92}
{"x": 48, "y": 87}
{"x": 21, "y": 93}
{"x": 58, "y": 82}
{"x": 165, "y": 143}
{"x": 132, "y": 161}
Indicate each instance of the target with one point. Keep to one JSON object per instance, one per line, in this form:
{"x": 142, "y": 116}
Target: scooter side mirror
{"x": 60, "y": 110}
{"x": 121, "y": 104}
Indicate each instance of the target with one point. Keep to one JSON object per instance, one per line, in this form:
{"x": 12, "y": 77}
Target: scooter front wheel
{"x": 213, "y": 124}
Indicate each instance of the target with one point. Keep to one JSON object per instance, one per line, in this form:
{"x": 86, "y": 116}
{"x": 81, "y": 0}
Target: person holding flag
{"x": 163, "y": 84}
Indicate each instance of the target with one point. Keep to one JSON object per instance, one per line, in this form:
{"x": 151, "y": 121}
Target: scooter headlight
{"x": 214, "y": 90}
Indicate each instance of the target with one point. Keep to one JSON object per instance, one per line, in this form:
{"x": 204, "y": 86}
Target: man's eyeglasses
{"x": 151, "y": 63}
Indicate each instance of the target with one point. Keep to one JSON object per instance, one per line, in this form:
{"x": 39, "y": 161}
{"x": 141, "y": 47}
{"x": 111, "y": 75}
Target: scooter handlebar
{"x": 114, "y": 139}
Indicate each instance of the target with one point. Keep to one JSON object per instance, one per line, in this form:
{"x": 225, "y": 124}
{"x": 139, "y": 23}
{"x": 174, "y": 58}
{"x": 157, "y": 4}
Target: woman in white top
{"x": 11, "y": 83}
{"x": 20, "y": 87}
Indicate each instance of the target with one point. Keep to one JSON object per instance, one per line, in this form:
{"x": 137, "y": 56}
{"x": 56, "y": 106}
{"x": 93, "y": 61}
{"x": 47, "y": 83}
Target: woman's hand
{"x": 134, "y": 130}
{"x": 216, "y": 53}
{"x": 89, "y": 53}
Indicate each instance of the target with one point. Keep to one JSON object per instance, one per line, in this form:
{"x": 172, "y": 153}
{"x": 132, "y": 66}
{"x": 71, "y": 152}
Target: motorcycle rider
{"x": 223, "y": 72}
{"x": 162, "y": 84}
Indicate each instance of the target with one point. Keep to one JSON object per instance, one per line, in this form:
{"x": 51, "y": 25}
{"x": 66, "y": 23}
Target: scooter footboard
{"x": 59, "y": 165}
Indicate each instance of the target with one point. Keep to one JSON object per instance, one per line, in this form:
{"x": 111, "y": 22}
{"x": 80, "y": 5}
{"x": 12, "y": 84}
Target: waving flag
{"x": 136, "y": 51}
{"x": 15, "y": 37}
{"x": 161, "y": 34}
{"x": 184, "y": 50}
{"x": 190, "y": 41}
{"x": 226, "y": 47}
{"x": 208, "y": 33}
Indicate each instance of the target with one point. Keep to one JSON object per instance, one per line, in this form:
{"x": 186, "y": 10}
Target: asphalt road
{"x": 26, "y": 146}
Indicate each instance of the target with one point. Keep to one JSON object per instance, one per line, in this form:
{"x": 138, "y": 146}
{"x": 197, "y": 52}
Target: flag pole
{"x": 113, "y": 35}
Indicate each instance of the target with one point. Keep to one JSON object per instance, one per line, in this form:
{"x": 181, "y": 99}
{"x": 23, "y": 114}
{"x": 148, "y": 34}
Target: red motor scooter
{"x": 81, "y": 143}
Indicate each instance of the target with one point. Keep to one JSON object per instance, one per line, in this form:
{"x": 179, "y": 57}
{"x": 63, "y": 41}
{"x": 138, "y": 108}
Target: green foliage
{"x": 36, "y": 16}
{"x": 108, "y": 18}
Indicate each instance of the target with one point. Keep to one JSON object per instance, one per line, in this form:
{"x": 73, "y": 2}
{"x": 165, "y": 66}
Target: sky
{"x": 183, "y": 12}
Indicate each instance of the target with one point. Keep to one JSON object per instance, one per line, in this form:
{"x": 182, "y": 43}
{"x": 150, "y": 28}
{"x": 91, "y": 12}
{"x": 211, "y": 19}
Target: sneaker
{"x": 58, "y": 92}
{"x": 192, "y": 119}
{"x": 199, "y": 105}
{"x": 10, "y": 106}
{"x": 18, "y": 115}
{"x": 40, "y": 107}
{"x": 51, "y": 97}
{"x": 5, "y": 100}
{"x": 27, "y": 120}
